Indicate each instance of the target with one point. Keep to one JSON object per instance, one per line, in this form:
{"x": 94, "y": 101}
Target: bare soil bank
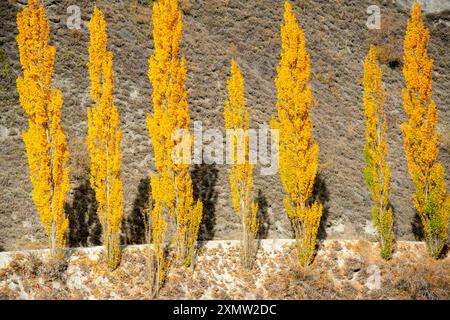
{"x": 214, "y": 32}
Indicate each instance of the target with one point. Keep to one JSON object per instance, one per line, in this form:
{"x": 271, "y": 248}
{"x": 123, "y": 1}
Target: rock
{"x": 374, "y": 280}
{"x": 56, "y": 285}
{"x": 48, "y": 3}
{"x": 370, "y": 229}
{"x": 12, "y": 132}
{"x": 74, "y": 280}
{"x": 134, "y": 94}
{"x": 337, "y": 227}
{"x": 3, "y": 132}
{"x": 353, "y": 267}
{"x": 428, "y": 6}
{"x": 55, "y": 19}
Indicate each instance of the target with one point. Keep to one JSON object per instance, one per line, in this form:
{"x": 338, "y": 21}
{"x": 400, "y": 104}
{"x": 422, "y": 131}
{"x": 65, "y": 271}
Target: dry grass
{"x": 341, "y": 270}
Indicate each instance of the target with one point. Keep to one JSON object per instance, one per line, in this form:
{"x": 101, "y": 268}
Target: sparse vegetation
{"x": 387, "y": 41}
{"x": 342, "y": 270}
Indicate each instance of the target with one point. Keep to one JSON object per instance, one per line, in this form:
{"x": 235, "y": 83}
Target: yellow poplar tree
{"x": 241, "y": 179}
{"x": 298, "y": 153}
{"x": 376, "y": 172}
{"x": 421, "y": 137}
{"x": 171, "y": 185}
{"x": 104, "y": 140}
{"x": 45, "y": 143}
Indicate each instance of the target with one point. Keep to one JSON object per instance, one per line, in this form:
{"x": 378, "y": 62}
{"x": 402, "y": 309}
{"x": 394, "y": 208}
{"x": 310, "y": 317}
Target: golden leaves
{"x": 421, "y": 136}
{"x": 298, "y": 154}
{"x": 104, "y": 139}
{"x": 167, "y": 74}
{"x": 44, "y": 140}
{"x": 241, "y": 172}
{"x": 376, "y": 172}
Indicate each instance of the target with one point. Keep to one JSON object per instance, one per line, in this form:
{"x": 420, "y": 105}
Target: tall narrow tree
{"x": 376, "y": 172}
{"x": 298, "y": 153}
{"x": 421, "y": 136}
{"x": 44, "y": 140}
{"x": 241, "y": 172}
{"x": 172, "y": 182}
{"x": 104, "y": 139}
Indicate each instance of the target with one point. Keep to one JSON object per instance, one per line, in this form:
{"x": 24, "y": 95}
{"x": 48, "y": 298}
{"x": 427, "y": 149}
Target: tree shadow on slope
{"x": 84, "y": 225}
{"x": 263, "y": 216}
{"x": 204, "y": 179}
{"x": 321, "y": 194}
{"x": 134, "y": 224}
{"x": 417, "y": 227}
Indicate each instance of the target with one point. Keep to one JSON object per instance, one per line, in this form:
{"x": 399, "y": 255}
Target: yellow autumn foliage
{"x": 421, "y": 136}
{"x": 168, "y": 128}
{"x": 241, "y": 172}
{"x": 158, "y": 232}
{"x": 104, "y": 140}
{"x": 376, "y": 172}
{"x": 45, "y": 142}
{"x": 298, "y": 153}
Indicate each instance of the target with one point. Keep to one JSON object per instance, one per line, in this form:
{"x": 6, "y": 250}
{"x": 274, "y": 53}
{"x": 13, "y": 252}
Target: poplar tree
{"x": 421, "y": 136}
{"x": 241, "y": 179}
{"x": 298, "y": 153}
{"x": 168, "y": 127}
{"x": 104, "y": 140}
{"x": 44, "y": 140}
{"x": 376, "y": 172}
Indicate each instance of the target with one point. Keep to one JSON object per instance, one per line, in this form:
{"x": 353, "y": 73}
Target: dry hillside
{"x": 214, "y": 32}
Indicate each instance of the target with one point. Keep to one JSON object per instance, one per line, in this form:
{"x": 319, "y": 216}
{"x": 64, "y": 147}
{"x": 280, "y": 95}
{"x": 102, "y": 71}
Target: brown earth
{"x": 214, "y": 32}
